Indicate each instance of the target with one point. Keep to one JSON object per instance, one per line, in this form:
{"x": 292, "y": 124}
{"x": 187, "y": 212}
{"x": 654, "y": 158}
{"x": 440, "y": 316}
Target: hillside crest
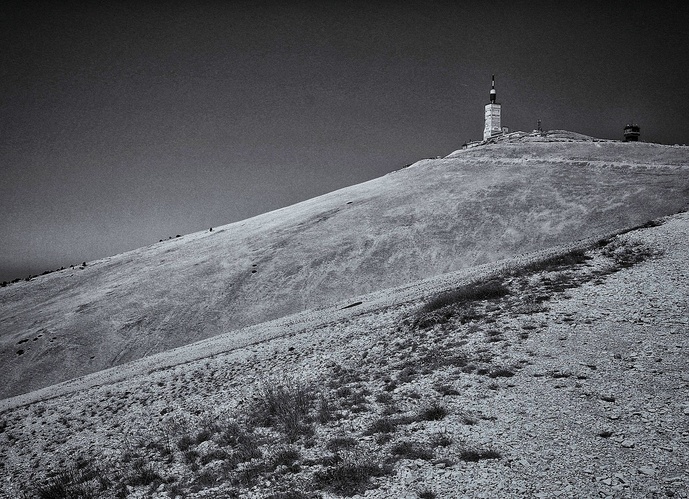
{"x": 438, "y": 216}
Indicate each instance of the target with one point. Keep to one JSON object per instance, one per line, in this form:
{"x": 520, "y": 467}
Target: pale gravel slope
{"x": 623, "y": 337}
{"x": 437, "y": 216}
{"x": 287, "y": 326}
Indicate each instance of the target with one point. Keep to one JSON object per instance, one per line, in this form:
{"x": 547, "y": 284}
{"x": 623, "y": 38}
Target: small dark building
{"x": 631, "y": 133}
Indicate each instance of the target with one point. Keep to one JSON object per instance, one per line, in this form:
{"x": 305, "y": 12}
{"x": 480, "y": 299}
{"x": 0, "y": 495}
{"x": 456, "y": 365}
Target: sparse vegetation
{"x": 412, "y": 450}
{"x": 555, "y": 262}
{"x": 434, "y": 412}
{"x": 285, "y": 456}
{"x": 531, "y": 304}
{"x": 336, "y": 444}
{"x": 350, "y": 475}
{"x": 475, "y": 455}
{"x": 477, "y": 291}
{"x": 501, "y": 372}
{"x": 79, "y": 481}
{"x": 426, "y": 494}
{"x": 292, "y": 494}
{"x": 382, "y": 425}
{"x": 141, "y": 473}
{"x": 441, "y": 440}
{"x": 445, "y": 390}
{"x": 384, "y": 398}
{"x": 625, "y": 252}
{"x": 283, "y": 433}
{"x": 285, "y": 405}
{"x": 436, "y": 357}
{"x": 458, "y": 304}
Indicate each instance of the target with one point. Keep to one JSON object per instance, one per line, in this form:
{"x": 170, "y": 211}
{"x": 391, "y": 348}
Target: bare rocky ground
{"x": 515, "y": 194}
{"x": 564, "y": 378}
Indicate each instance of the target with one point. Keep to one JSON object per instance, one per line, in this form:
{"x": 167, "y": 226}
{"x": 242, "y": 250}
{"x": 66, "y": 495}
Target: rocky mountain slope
{"x": 550, "y": 375}
{"x": 520, "y": 194}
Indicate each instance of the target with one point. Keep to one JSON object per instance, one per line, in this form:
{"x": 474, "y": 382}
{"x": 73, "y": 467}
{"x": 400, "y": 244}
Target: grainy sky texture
{"x": 125, "y": 122}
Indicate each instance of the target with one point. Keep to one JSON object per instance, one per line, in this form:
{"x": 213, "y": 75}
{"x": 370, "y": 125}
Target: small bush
{"x": 248, "y": 476}
{"x": 434, "y": 412}
{"x": 245, "y": 451}
{"x": 475, "y": 455}
{"x": 343, "y": 391}
{"x": 412, "y": 450}
{"x": 286, "y": 406}
{"x": 190, "y": 456}
{"x": 285, "y": 456}
{"x": 276, "y": 401}
{"x": 292, "y": 494}
{"x": 468, "y": 419}
{"x": 216, "y": 455}
{"x": 325, "y": 409}
{"x": 184, "y": 442}
{"x": 78, "y": 481}
{"x": 390, "y": 410}
{"x": 445, "y": 390}
{"x": 406, "y": 375}
{"x": 390, "y": 385}
{"x": 384, "y": 398}
{"x": 142, "y": 474}
{"x": 352, "y": 399}
{"x": 350, "y": 476}
{"x": 501, "y": 372}
{"x": 383, "y": 438}
{"x": 381, "y": 425}
{"x": 206, "y": 479}
{"x": 626, "y": 253}
{"x": 426, "y": 494}
{"x": 231, "y": 434}
{"x": 203, "y": 436}
{"x": 337, "y": 443}
{"x": 344, "y": 375}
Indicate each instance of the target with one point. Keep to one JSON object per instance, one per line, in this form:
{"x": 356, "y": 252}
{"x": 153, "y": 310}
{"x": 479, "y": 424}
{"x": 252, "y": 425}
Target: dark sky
{"x": 122, "y": 123}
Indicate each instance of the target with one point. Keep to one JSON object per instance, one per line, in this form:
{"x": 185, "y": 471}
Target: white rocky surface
{"x": 514, "y": 195}
{"x": 596, "y": 403}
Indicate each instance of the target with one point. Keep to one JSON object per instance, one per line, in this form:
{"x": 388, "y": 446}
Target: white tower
{"x": 492, "y": 126}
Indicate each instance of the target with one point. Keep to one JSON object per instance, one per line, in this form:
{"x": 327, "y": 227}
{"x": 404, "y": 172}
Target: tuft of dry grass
{"x": 434, "y": 412}
{"x": 350, "y": 475}
{"x": 80, "y": 480}
{"x": 412, "y": 450}
{"x": 285, "y": 406}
